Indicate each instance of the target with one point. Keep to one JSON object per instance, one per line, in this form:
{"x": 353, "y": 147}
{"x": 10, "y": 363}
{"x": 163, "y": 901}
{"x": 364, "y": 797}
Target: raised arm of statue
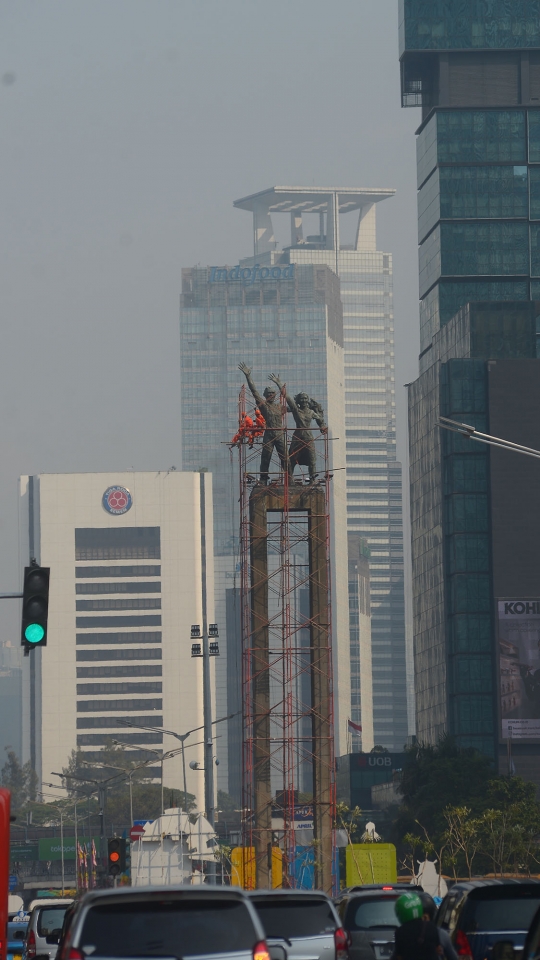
{"x": 247, "y": 373}
{"x": 290, "y": 402}
{"x": 318, "y": 415}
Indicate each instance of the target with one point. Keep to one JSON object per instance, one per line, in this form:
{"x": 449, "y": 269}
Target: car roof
{"x": 306, "y": 894}
{"x": 489, "y": 882}
{"x": 50, "y": 902}
{"x": 378, "y": 891}
{"x": 176, "y": 889}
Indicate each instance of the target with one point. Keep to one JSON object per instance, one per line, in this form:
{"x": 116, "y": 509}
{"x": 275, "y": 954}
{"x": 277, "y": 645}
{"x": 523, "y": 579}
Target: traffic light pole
{"x": 207, "y": 691}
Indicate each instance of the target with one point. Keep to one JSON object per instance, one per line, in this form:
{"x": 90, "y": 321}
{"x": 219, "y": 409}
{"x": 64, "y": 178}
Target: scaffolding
{"x": 288, "y": 747}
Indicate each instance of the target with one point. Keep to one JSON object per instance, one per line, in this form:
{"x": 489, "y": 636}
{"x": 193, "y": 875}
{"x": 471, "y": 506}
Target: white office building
{"x": 127, "y": 564}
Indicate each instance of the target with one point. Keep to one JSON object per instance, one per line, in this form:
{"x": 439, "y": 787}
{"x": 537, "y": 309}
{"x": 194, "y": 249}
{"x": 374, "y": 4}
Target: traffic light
{"x": 116, "y": 855}
{"x": 35, "y": 606}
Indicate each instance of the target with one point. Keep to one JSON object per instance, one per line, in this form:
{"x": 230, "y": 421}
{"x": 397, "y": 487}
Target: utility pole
{"x": 207, "y": 692}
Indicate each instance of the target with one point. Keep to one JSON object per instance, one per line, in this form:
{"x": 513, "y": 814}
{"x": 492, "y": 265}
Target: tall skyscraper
{"x": 284, "y": 310}
{"x": 344, "y": 238}
{"x": 475, "y": 71}
{"x": 125, "y": 557}
{"x": 286, "y": 320}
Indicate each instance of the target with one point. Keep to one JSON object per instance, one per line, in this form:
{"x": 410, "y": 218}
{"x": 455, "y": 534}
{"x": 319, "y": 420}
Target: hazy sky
{"x": 128, "y": 128}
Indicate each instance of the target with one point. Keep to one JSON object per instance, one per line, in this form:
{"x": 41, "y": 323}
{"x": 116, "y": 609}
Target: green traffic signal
{"x": 35, "y": 606}
{"x": 34, "y": 632}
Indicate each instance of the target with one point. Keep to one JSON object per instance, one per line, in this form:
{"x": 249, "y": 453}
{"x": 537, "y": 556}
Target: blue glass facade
{"x": 478, "y": 200}
{"x": 473, "y": 66}
{"x": 468, "y": 24}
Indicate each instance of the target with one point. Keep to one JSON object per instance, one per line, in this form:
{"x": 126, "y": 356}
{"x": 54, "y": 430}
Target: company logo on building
{"x": 248, "y": 275}
{"x": 117, "y": 500}
{"x": 522, "y": 607}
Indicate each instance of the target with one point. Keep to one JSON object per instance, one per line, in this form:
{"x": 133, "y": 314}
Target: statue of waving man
{"x": 273, "y": 436}
{"x": 304, "y": 410}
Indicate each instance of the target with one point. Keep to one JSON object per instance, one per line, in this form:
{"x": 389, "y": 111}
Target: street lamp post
{"x": 182, "y": 737}
{"x": 102, "y": 799}
{"x": 159, "y": 754}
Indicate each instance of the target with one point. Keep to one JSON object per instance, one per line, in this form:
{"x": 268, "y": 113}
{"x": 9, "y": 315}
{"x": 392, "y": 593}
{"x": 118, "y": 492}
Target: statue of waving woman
{"x": 304, "y": 410}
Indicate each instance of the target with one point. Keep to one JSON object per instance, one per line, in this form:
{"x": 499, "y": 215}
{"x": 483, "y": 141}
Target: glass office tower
{"x": 474, "y": 69}
{"x": 288, "y": 321}
{"x": 338, "y": 228}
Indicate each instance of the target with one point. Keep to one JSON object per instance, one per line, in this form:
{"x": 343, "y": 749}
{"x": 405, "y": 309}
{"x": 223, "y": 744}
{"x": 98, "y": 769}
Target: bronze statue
{"x": 273, "y": 436}
{"x": 304, "y": 410}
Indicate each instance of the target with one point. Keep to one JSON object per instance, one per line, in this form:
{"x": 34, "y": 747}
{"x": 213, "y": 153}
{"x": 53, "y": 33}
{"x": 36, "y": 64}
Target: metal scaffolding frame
{"x": 288, "y": 746}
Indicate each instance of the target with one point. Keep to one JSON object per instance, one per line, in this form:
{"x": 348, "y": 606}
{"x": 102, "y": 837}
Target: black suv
{"x": 480, "y": 913}
{"x": 368, "y": 917}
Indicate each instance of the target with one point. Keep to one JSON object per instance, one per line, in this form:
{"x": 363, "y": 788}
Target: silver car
{"x": 44, "y": 928}
{"x": 300, "y": 925}
{"x": 166, "y": 922}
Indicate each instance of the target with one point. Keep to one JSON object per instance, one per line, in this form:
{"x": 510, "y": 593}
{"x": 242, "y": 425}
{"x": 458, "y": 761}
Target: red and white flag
{"x": 355, "y": 727}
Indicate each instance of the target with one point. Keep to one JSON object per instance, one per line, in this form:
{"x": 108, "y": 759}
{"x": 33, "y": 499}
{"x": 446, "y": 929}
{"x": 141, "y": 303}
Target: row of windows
{"x": 152, "y": 720}
{"x": 130, "y": 653}
{"x": 117, "y": 543}
{"x": 132, "y": 637}
{"x": 139, "y": 570}
{"x": 133, "y": 604}
{"x": 480, "y": 24}
{"x": 133, "y": 670}
{"x": 149, "y": 621}
{"x": 101, "y": 739}
{"x": 138, "y": 586}
{"x": 481, "y": 136}
{"x": 92, "y": 689}
{"x": 107, "y": 706}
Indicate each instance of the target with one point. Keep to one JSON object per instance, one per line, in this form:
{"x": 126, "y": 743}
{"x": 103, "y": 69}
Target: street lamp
{"x": 466, "y": 430}
{"x": 62, "y": 809}
{"x": 160, "y": 754}
{"x": 182, "y": 737}
{"x": 102, "y": 798}
{"x": 129, "y": 775}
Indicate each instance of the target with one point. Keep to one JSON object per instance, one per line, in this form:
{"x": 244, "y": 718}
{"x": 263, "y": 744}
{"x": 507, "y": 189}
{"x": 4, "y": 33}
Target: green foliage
{"x": 457, "y": 811}
{"x": 436, "y": 777}
{"x": 114, "y": 765}
{"x": 225, "y": 802}
{"x": 21, "y": 780}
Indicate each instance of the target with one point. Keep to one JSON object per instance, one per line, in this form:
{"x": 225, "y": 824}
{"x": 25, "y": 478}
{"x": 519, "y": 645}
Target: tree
{"x": 20, "y": 779}
{"x": 462, "y": 837}
{"x": 225, "y": 802}
{"x": 113, "y": 760}
{"x": 437, "y": 777}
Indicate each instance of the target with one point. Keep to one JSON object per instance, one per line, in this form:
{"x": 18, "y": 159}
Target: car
{"x": 478, "y": 914}
{"x": 15, "y": 934}
{"x": 531, "y": 949}
{"x": 165, "y": 922}
{"x": 369, "y": 919}
{"x": 44, "y": 928}
{"x": 300, "y": 924}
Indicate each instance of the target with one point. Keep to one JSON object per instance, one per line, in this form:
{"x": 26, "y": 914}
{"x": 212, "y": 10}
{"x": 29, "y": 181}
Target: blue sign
{"x": 13, "y": 882}
{"x": 248, "y": 275}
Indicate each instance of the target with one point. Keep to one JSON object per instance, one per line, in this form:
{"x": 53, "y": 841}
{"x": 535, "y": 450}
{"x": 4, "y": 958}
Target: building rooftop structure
{"x": 298, "y": 201}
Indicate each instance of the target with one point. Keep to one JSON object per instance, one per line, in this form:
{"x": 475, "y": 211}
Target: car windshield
{"x": 167, "y": 928}
{"x": 499, "y": 914}
{"x": 50, "y": 920}
{"x": 16, "y": 931}
{"x": 295, "y": 917}
{"x": 372, "y": 912}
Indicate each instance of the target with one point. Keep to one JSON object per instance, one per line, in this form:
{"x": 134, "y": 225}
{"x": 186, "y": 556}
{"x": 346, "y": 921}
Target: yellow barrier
{"x": 244, "y": 872}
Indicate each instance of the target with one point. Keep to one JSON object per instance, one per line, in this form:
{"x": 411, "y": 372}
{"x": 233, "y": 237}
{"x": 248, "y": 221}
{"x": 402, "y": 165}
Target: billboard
{"x": 519, "y": 668}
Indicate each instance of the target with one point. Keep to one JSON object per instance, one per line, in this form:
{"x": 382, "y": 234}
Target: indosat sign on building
{"x": 249, "y": 275}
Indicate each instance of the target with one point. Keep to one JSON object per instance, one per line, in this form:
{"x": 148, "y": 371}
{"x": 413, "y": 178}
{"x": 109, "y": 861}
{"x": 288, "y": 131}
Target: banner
{"x": 519, "y": 668}
{"x": 51, "y": 849}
